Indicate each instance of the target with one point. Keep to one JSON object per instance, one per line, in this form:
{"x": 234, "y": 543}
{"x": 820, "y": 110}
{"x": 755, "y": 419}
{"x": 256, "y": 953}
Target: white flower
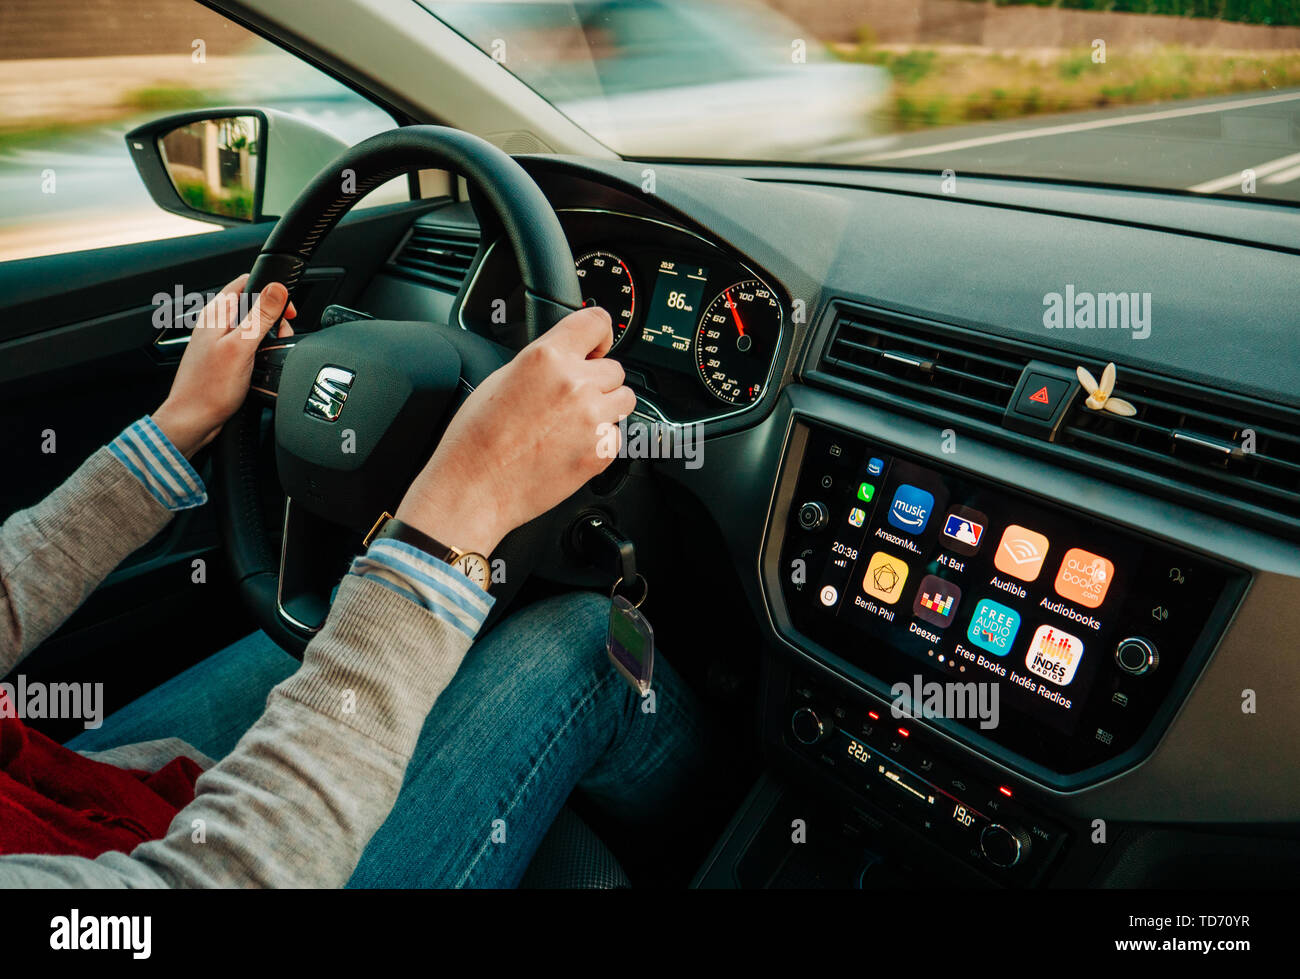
{"x": 1099, "y": 394}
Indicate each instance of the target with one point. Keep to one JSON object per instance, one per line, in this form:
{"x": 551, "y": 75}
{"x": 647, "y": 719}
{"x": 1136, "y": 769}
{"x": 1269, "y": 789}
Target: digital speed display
{"x": 675, "y": 306}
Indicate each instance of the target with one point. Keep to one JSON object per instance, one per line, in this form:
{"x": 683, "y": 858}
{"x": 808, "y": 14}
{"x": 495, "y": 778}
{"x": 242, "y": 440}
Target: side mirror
{"x": 229, "y": 166}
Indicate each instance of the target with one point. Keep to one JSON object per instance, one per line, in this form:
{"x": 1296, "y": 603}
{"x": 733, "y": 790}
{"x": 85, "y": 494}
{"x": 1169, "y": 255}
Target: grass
{"x": 947, "y": 86}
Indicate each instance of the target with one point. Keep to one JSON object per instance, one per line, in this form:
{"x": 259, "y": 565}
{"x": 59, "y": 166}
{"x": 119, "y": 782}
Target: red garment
{"x": 54, "y": 801}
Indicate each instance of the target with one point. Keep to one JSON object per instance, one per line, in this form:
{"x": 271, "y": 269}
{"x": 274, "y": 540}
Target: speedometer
{"x": 606, "y": 281}
{"x": 736, "y": 340}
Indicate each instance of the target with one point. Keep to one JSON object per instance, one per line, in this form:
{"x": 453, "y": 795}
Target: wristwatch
{"x": 471, "y": 564}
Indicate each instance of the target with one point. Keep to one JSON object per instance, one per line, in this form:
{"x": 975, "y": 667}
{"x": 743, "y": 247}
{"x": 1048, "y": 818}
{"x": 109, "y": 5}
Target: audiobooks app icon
{"x": 1021, "y": 553}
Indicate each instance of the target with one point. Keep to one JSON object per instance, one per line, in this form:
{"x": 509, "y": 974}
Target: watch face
{"x": 475, "y": 568}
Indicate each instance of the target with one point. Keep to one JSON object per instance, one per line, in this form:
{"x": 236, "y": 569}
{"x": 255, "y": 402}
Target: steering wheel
{"x": 360, "y": 406}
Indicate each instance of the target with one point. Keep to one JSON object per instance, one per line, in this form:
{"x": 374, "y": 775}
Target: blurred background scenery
{"x": 1168, "y": 94}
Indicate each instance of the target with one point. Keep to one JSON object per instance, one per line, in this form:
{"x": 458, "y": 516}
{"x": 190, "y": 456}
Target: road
{"x": 1199, "y": 145}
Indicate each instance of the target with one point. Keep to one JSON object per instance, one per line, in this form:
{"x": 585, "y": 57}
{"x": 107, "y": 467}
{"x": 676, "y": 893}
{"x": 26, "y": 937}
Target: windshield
{"x": 1192, "y": 95}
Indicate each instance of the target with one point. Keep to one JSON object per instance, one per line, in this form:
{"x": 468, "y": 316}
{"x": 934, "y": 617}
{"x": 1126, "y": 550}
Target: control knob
{"x": 807, "y": 727}
{"x": 813, "y": 516}
{"x": 1004, "y": 846}
{"x": 1136, "y": 655}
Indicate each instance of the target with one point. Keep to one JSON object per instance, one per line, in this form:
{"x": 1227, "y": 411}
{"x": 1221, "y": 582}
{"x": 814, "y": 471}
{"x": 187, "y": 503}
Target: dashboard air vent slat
{"x": 938, "y": 367}
{"x": 440, "y": 255}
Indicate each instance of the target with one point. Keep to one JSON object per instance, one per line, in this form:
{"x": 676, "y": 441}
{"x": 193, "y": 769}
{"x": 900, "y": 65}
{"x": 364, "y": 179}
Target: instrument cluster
{"x": 696, "y": 330}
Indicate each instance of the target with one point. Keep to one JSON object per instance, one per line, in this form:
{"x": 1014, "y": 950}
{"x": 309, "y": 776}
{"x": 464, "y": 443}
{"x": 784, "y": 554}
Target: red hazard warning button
{"x": 1040, "y": 396}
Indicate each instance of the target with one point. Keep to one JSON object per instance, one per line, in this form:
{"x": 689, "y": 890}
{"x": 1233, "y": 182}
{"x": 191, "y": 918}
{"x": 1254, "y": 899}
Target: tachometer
{"x": 606, "y": 282}
{"x": 736, "y": 340}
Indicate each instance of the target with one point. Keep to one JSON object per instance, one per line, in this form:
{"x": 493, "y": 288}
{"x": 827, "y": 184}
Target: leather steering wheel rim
{"x": 508, "y": 201}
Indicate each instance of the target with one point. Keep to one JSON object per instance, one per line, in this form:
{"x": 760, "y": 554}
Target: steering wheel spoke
{"x": 268, "y": 366}
{"x": 364, "y": 400}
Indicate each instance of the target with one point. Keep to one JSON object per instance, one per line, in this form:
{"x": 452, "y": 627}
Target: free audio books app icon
{"x": 993, "y": 626}
{"x": 1054, "y": 655}
{"x": 937, "y": 600}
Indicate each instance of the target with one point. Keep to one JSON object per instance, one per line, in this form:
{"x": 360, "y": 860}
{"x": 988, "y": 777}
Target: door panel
{"x": 80, "y": 357}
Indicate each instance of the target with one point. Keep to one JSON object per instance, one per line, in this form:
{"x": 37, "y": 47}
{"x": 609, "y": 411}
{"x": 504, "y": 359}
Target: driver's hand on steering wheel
{"x": 212, "y": 379}
{"x": 529, "y": 437}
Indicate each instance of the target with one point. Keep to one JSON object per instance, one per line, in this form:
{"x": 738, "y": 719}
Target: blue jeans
{"x": 535, "y": 711}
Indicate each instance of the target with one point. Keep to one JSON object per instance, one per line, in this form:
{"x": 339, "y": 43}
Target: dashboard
{"x": 696, "y": 328}
{"x": 895, "y": 520}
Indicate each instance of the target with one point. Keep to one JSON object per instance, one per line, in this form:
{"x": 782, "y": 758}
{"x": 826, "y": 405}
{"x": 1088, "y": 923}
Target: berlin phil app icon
{"x": 911, "y": 508}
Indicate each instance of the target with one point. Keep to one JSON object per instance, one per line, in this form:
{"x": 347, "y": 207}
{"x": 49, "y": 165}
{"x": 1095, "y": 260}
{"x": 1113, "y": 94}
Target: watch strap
{"x": 388, "y": 527}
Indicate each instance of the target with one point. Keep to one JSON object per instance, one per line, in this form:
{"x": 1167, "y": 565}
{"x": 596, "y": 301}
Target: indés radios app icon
{"x": 1054, "y": 655}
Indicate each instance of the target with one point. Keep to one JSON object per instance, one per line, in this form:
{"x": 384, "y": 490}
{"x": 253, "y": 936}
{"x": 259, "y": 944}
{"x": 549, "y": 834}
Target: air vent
{"x": 439, "y": 255}
{"x": 1214, "y": 450}
{"x": 932, "y": 365}
{"x": 1242, "y": 453}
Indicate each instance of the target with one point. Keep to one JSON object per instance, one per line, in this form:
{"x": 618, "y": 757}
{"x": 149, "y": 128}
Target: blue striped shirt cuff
{"x": 427, "y": 581}
{"x": 151, "y": 458}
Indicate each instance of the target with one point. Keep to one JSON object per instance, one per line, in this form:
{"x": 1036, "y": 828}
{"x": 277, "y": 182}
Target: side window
{"x": 71, "y": 87}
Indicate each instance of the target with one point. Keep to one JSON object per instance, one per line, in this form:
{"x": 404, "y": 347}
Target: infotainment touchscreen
{"x": 916, "y": 575}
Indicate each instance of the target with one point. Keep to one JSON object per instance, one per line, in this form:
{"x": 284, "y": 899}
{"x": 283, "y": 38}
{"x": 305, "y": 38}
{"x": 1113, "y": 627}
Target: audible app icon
{"x": 1021, "y": 553}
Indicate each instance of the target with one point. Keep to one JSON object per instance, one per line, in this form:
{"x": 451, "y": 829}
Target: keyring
{"x": 645, "y": 590}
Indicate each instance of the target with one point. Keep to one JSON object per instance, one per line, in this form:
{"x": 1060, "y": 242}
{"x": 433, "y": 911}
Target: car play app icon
{"x": 1084, "y": 577}
{"x": 993, "y": 627}
{"x": 911, "y": 508}
{"x": 856, "y": 517}
{"x": 963, "y": 530}
{"x": 885, "y": 577}
{"x": 1021, "y": 553}
{"x": 936, "y": 601}
{"x": 1054, "y": 655}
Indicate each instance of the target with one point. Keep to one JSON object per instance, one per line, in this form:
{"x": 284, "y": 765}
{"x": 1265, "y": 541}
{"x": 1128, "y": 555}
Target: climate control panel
{"x": 899, "y": 768}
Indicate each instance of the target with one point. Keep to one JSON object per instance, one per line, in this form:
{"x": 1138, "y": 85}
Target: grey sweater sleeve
{"x": 54, "y": 554}
{"x": 307, "y": 786}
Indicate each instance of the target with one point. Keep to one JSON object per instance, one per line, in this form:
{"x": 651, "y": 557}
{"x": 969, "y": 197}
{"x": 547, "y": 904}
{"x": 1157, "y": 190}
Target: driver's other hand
{"x": 212, "y": 379}
{"x": 529, "y": 437}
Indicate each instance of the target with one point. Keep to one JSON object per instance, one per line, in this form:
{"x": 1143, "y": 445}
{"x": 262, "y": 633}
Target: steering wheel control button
{"x": 1136, "y": 655}
{"x": 813, "y": 516}
{"x": 1004, "y": 846}
{"x": 807, "y": 727}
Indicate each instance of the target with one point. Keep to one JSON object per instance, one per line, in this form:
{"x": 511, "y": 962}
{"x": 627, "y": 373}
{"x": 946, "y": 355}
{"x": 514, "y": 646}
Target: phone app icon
{"x": 1021, "y": 553}
{"x": 963, "y": 530}
{"x": 911, "y": 508}
{"x": 1084, "y": 577}
{"x": 1054, "y": 655}
{"x": 876, "y": 466}
{"x": 937, "y": 600}
{"x": 856, "y": 517}
{"x": 866, "y": 491}
{"x": 993, "y": 627}
{"x": 885, "y": 577}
